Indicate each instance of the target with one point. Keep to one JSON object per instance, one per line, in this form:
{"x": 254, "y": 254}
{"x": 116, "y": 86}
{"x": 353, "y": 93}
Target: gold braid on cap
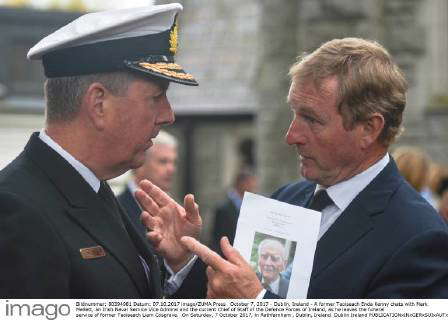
{"x": 168, "y": 69}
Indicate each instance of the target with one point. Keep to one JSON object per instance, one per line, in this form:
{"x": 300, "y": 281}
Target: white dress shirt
{"x": 176, "y": 279}
{"x": 343, "y": 193}
{"x": 274, "y": 285}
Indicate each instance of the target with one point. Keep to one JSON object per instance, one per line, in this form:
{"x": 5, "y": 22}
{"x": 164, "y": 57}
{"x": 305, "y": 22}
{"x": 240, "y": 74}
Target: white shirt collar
{"x": 132, "y": 186}
{"x": 274, "y": 286}
{"x": 344, "y": 192}
{"x": 85, "y": 172}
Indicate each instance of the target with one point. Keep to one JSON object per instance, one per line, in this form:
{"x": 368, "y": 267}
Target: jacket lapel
{"x": 87, "y": 210}
{"x": 356, "y": 220}
{"x": 147, "y": 253}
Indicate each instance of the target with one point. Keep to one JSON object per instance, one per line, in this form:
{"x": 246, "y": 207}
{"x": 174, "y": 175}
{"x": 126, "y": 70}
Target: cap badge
{"x": 173, "y": 38}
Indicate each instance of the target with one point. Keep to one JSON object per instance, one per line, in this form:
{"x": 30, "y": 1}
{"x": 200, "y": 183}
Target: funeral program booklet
{"x": 279, "y": 241}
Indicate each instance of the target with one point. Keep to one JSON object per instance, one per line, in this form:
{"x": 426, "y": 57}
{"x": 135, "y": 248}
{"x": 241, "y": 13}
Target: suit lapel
{"x": 135, "y": 228}
{"x": 87, "y": 210}
{"x": 147, "y": 253}
{"x": 356, "y": 221}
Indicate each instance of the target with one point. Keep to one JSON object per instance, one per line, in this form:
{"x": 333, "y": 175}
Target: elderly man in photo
{"x": 378, "y": 237}
{"x": 159, "y": 167}
{"x": 272, "y": 259}
{"x": 62, "y": 232}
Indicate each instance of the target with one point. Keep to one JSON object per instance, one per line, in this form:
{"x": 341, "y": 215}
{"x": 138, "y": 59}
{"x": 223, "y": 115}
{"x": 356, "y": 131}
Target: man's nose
{"x": 171, "y": 167}
{"x": 295, "y": 134}
{"x": 269, "y": 260}
{"x": 166, "y": 116}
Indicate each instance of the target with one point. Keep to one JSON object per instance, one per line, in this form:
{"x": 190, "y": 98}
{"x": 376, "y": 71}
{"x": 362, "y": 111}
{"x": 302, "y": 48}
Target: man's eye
{"x": 310, "y": 119}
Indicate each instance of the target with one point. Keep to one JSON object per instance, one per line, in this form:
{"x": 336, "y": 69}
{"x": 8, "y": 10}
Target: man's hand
{"x": 168, "y": 222}
{"x": 231, "y": 278}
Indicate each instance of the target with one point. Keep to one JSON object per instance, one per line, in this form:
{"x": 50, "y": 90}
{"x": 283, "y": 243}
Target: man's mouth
{"x": 268, "y": 269}
{"x": 155, "y": 134}
{"x": 302, "y": 157}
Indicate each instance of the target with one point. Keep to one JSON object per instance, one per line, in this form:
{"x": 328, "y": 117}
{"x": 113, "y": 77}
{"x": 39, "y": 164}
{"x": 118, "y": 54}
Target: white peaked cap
{"x": 142, "y": 39}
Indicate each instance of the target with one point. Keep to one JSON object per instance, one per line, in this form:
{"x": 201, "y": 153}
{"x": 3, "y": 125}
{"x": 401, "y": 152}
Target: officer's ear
{"x": 371, "y": 129}
{"x": 95, "y": 102}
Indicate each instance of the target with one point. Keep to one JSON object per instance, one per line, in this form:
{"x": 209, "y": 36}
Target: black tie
{"x": 266, "y": 285}
{"x": 106, "y": 194}
{"x": 320, "y": 200}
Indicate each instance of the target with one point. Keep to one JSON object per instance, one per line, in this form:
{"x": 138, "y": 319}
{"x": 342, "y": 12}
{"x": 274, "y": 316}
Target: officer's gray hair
{"x": 64, "y": 95}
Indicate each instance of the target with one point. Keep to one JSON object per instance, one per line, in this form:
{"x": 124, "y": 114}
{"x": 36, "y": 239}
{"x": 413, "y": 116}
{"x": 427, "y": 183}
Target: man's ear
{"x": 95, "y": 101}
{"x": 371, "y": 129}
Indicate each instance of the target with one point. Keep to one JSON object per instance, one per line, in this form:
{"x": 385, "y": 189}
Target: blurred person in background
{"x": 414, "y": 165}
{"x": 227, "y": 212}
{"x": 159, "y": 168}
{"x": 443, "y": 198}
{"x": 436, "y": 173}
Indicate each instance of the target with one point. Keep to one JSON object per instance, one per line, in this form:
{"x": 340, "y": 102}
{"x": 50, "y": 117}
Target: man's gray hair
{"x": 64, "y": 95}
{"x": 275, "y": 242}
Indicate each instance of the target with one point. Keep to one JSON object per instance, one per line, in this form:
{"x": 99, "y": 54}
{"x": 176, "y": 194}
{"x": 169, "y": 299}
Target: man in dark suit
{"x": 378, "y": 237}
{"x": 159, "y": 167}
{"x": 62, "y": 232}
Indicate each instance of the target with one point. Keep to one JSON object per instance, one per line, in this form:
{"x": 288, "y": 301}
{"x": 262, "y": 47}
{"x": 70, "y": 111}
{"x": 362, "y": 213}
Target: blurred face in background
{"x": 443, "y": 205}
{"x": 159, "y": 167}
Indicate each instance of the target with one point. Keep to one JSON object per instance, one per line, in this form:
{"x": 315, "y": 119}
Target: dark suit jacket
{"x": 130, "y": 205}
{"x": 282, "y": 286}
{"x": 226, "y": 218}
{"x": 388, "y": 243}
{"x": 48, "y": 213}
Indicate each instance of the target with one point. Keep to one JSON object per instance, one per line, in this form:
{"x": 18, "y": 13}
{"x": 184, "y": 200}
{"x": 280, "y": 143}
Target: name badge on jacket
{"x": 92, "y": 252}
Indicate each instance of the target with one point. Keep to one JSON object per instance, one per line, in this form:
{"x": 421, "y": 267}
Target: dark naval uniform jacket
{"x": 59, "y": 240}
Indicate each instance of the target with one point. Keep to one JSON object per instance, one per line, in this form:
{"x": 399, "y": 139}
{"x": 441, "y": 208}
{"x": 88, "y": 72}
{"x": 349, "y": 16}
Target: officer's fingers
{"x": 154, "y": 237}
{"x": 192, "y": 210}
{"x": 154, "y": 192}
{"x": 146, "y": 202}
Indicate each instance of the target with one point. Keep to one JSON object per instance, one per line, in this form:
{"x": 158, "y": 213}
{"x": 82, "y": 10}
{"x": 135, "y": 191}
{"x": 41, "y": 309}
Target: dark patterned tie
{"x": 320, "y": 200}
